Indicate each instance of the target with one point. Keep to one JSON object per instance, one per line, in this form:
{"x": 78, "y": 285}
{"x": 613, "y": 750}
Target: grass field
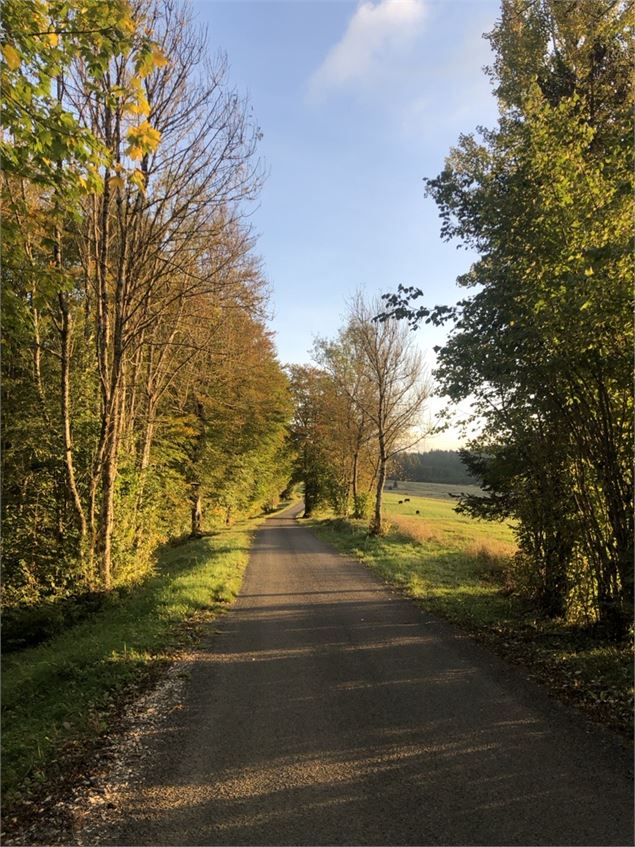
{"x": 462, "y": 569}
{"x": 57, "y": 697}
{"x": 436, "y": 490}
{"x": 437, "y": 520}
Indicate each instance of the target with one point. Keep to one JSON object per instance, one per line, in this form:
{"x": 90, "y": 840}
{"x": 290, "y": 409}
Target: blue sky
{"x": 357, "y": 102}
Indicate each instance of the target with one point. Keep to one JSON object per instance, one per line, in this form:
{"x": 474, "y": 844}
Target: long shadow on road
{"x": 327, "y": 710}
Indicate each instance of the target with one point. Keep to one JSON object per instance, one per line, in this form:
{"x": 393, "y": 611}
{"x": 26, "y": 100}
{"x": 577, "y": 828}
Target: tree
{"x": 311, "y": 390}
{"x": 46, "y": 141}
{"x": 393, "y": 388}
{"x": 154, "y": 242}
{"x": 134, "y": 304}
{"x": 351, "y": 432}
{"x": 239, "y": 407}
{"x": 543, "y": 346}
{"x": 46, "y": 145}
{"x": 357, "y": 410}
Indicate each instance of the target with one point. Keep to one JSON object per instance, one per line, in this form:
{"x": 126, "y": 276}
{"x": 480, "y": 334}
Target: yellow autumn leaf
{"x": 144, "y": 63}
{"x": 144, "y": 136}
{"x": 152, "y": 136}
{"x": 135, "y": 152}
{"x": 115, "y": 182}
{"x": 139, "y": 106}
{"x": 52, "y": 39}
{"x": 127, "y": 25}
{"x": 137, "y": 178}
{"x": 159, "y": 59}
{"x": 11, "y": 56}
{"x": 39, "y": 15}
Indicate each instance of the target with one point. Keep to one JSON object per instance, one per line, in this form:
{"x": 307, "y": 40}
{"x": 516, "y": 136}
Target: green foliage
{"x": 543, "y": 347}
{"x": 126, "y": 384}
{"x": 313, "y": 392}
{"x": 432, "y": 466}
{"x": 238, "y": 455}
{"x": 40, "y": 43}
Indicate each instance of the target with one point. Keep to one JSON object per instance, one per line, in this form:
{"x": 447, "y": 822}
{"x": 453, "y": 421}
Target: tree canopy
{"x": 543, "y": 345}
{"x": 142, "y": 397}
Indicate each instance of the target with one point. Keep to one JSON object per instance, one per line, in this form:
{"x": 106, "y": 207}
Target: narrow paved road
{"x": 328, "y": 710}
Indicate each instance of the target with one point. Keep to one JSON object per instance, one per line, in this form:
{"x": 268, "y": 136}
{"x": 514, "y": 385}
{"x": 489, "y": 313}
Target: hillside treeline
{"x": 433, "y": 466}
{"x": 141, "y": 396}
{"x": 543, "y": 340}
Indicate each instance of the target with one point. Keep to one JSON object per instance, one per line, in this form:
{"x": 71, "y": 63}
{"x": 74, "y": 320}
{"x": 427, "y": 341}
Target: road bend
{"x": 329, "y": 710}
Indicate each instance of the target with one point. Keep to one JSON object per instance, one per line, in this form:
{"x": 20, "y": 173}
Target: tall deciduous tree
{"x": 353, "y": 434}
{"x": 312, "y": 391}
{"x": 545, "y": 345}
{"x": 394, "y": 388}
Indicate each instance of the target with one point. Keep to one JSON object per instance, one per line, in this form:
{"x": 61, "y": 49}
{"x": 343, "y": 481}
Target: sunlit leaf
{"x": 11, "y": 57}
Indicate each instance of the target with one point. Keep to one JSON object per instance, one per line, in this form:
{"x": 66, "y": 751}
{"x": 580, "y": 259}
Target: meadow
{"x": 427, "y": 510}
{"x": 434, "y": 490}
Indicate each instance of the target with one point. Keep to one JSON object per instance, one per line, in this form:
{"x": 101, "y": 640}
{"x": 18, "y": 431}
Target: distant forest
{"x": 434, "y": 466}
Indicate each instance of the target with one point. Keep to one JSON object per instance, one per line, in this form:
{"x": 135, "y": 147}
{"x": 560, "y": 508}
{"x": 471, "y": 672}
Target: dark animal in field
{"x": 417, "y": 512}
{"x": 406, "y": 499}
{"x": 400, "y": 502}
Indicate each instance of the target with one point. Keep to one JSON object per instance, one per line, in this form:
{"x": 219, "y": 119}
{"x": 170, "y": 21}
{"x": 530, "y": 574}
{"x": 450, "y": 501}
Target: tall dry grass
{"x": 491, "y": 557}
{"x": 419, "y": 530}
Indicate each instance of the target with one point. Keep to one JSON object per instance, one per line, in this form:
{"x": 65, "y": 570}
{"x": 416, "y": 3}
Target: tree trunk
{"x": 309, "y": 504}
{"x": 106, "y": 523}
{"x": 112, "y": 420}
{"x": 147, "y": 441}
{"x": 197, "y": 512}
{"x": 144, "y": 465}
{"x": 554, "y": 595}
{"x": 37, "y": 360}
{"x": 65, "y": 375}
{"x": 108, "y": 477}
{"x": 354, "y": 483}
{"x": 310, "y": 498}
{"x": 377, "y": 524}
{"x": 65, "y": 334}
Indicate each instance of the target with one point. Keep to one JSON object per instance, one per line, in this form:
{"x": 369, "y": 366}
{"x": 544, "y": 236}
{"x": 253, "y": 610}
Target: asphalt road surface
{"x": 329, "y": 710}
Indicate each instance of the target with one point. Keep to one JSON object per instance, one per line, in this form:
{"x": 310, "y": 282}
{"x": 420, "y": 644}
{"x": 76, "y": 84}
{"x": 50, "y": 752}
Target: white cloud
{"x": 376, "y": 35}
{"x": 453, "y": 92}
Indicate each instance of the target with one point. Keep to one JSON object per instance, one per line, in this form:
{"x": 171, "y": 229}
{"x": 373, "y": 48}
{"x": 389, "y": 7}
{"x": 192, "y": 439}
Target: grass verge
{"x": 58, "y": 698}
{"x": 460, "y": 575}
